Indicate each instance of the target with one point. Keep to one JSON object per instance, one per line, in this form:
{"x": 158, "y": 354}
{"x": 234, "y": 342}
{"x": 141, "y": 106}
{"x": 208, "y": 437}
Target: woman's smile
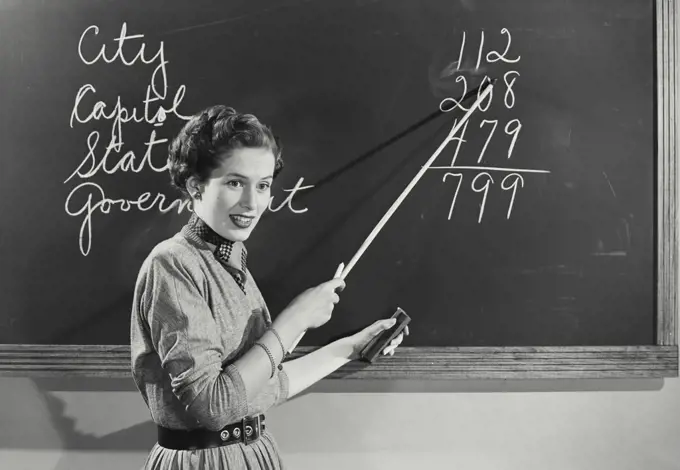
{"x": 241, "y": 220}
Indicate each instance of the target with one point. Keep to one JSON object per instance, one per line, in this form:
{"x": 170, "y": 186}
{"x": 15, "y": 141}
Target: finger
{"x": 389, "y": 350}
{"x": 406, "y": 332}
{"x": 397, "y": 341}
{"x": 394, "y": 344}
{"x": 338, "y": 271}
{"x": 336, "y": 298}
{"x": 380, "y": 326}
{"x": 336, "y": 284}
{"x": 386, "y": 324}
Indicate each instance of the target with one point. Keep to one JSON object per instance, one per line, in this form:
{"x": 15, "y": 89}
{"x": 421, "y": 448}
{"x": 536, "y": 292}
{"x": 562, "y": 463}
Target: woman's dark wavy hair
{"x": 204, "y": 140}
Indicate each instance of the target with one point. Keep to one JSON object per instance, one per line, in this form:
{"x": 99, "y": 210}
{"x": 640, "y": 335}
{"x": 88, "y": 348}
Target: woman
{"x": 206, "y": 356}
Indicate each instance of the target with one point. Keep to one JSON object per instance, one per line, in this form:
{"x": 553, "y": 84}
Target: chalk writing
{"x": 120, "y": 55}
{"x": 484, "y": 188}
{"x": 450, "y": 103}
{"x": 482, "y": 182}
{"x": 96, "y": 200}
{"x": 455, "y": 103}
{"x": 289, "y": 199}
{"x": 513, "y": 180}
{"x": 89, "y": 166}
{"x": 509, "y": 182}
{"x": 459, "y": 138}
{"x": 493, "y": 129}
{"x": 509, "y": 92}
{"x": 455, "y": 195}
{"x": 88, "y": 197}
{"x": 494, "y": 56}
{"x": 512, "y": 128}
{"x": 126, "y": 50}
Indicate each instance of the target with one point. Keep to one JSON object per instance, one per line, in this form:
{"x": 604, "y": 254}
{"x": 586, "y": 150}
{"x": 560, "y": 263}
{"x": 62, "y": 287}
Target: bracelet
{"x": 276, "y": 333}
{"x": 271, "y": 357}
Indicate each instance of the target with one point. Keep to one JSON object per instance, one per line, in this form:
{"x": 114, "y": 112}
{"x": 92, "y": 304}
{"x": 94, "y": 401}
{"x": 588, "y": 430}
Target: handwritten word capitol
{"x": 128, "y": 50}
{"x": 482, "y": 181}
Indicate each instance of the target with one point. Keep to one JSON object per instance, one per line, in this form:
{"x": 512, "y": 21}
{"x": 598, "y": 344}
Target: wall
{"x": 84, "y": 424}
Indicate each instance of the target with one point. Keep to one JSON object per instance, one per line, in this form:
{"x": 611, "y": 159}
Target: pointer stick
{"x": 413, "y": 182}
{"x": 342, "y": 273}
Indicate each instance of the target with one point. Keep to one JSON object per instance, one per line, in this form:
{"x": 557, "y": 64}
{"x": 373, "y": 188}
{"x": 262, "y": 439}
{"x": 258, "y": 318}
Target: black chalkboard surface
{"x": 536, "y": 227}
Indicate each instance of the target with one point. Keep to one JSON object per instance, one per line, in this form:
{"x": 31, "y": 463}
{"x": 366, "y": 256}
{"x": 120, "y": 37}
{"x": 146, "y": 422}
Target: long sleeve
{"x": 183, "y": 332}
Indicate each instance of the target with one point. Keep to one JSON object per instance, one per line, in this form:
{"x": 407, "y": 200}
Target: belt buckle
{"x": 249, "y": 427}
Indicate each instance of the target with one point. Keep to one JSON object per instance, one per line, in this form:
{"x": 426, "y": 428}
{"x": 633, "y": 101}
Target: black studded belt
{"x": 248, "y": 430}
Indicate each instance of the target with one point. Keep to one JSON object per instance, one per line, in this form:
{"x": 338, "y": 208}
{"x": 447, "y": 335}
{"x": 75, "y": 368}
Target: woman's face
{"x": 237, "y": 192}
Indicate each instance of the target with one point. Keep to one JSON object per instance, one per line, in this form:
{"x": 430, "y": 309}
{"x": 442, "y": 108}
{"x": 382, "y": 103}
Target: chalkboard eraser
{"x": 377, "y": 344}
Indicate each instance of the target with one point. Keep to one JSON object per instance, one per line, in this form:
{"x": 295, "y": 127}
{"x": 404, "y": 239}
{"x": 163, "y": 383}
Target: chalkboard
{"x": 539, "y": 225}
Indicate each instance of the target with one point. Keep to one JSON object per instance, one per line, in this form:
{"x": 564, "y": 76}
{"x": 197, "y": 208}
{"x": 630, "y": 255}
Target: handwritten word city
{"x": 483, "y": 180}
{"x": 128, "y": 50}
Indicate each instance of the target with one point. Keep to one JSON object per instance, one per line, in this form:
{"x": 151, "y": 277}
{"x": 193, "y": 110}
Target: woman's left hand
{"x": 362, "y": 338}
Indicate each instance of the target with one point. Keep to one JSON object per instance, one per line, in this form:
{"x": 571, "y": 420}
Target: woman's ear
{"x": 194, "y": 188}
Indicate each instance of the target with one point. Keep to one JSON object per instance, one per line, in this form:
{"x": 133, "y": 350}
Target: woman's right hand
{"x": 313, "y": 307}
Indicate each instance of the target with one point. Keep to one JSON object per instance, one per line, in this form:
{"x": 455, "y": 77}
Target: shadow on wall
{"x": 73, "y": 423}
{"x": 138, "y": 437}
{"x": 96, "y": 410}
{"x": 74, "y": 414}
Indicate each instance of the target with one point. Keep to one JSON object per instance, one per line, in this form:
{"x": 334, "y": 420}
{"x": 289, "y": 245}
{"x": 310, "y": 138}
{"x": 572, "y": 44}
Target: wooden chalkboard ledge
{"x": 432, "y": 363}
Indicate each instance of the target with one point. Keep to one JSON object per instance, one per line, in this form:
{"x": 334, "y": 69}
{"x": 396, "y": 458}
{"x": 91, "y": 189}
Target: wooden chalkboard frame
{"x": 633, "y": 361}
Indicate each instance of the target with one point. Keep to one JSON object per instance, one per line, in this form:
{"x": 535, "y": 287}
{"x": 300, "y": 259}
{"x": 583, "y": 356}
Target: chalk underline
{"x": 488, "y": 168}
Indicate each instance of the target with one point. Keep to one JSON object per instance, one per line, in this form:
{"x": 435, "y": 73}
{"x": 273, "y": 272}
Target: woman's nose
{"x": 248, "y": 199}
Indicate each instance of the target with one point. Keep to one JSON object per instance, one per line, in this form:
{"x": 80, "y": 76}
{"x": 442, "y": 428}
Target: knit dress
{"x": 190, "y": 321}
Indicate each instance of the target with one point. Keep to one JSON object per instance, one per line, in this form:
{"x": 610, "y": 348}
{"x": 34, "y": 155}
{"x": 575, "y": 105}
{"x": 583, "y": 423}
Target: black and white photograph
{"x": 339, "y": 234}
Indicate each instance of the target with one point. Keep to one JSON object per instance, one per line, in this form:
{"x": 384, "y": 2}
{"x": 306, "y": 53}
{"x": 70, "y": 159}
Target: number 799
{"x": 481, "y": 183}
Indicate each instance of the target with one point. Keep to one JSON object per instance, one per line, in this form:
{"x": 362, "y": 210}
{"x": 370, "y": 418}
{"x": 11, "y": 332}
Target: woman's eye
{"x": 264, "y": 186}
{"x": 235, "y": 183}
